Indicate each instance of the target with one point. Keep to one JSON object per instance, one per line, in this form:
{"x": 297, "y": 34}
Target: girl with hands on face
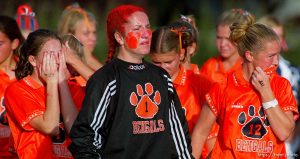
{"x": 83, "y": 25}
{"x": 74, "y": 55}
{"x": 256, "y": 108}
{"x": 33, "y": 101}
{"x": 49, "y": 67}
{"x": 260, "y": 79}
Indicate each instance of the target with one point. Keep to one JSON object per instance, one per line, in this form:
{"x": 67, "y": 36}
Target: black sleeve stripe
{"x": 100, "y": 113}
{"x": 178, "y": 134}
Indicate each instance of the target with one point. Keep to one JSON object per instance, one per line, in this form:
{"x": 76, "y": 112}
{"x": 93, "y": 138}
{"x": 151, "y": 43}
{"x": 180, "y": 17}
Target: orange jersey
{"x": 79, "y": 79}
{"x": 62, "y": 141}
{"x": 5, "y": 133}
{"x": 214, "y": 69}
{"x": 244, "y": 127}
{"x": 191, "y": 89}
{"x": 77, "y": 91}
{"x": 195, "y": 68}
{"x": 25, "y": 99}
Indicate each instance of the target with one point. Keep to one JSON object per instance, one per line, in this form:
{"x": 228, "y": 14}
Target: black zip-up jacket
{"x": 130, "y": 111}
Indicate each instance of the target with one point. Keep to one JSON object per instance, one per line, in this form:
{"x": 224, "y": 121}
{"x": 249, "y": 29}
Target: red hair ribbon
{"x": 26, "y": 18}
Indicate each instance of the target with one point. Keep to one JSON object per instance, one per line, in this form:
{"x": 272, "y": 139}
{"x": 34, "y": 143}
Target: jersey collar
{"x": 181, "y": 77}
{"x": 132, "y": 66}
{"x": 32, "y": 83}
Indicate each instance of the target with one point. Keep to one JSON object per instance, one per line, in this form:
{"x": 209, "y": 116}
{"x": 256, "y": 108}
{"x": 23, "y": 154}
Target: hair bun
{"x": 240, "y": 27}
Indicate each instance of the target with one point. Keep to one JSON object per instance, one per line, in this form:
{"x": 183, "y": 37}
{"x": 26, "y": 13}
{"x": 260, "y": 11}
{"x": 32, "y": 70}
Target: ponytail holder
{"x": 25, "y": 18}
{"x": 241, "y": 11}
{"x": 185, "y": 18}
{"x": 246, "y": 13}
{"x": 179, "y": 33}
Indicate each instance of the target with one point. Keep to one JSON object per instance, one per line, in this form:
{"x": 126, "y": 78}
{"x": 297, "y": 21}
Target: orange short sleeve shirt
{"x": 214, "y": 69}
{"x": 25, "y": 99}
{"x": 244, "y": 127}
{"x": 191, "y": 89}
{"x": 4, "y": 127}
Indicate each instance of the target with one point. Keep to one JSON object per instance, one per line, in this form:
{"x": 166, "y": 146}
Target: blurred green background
{"x": 162, "y": 12}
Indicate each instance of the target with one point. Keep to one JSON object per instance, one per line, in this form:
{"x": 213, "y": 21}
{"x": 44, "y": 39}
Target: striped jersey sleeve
{"x": 85, "y": 133}
{"x": 100, "y": 113}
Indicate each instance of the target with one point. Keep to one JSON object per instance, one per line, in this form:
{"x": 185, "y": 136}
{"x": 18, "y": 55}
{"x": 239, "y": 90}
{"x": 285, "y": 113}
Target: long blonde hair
{"x": 71, "y": 16}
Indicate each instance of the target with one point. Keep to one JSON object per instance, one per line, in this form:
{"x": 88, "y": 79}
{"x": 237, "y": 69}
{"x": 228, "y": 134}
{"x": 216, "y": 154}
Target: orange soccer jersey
{"x": 214, "y": 69}
{"x": 79, "y": 80}
{"x": 244, "y": 127}
{"x": 4, "y": 128}
{"x": 25, "y": 99}
{"x": 191, "y": 89}
{"x": 195, "y": 68}
{"x": 77, "y": 90}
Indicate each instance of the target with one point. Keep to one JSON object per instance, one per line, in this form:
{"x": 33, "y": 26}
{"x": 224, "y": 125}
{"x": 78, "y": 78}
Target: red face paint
{"x": 132, "y": 39}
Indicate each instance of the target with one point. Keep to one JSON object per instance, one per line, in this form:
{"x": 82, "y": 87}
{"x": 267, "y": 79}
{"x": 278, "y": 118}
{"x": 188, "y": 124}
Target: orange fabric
{"x": 25, "y": 99}
{"x": 5, "y": 134}
{"x": 80, "y": 80}
{"x": 77, "y": 92}
{"x": 214, "y": 69}
{"x": 195, "y": 68}
{"x": 244, "y": 129}
{"x": 191, "y": 89}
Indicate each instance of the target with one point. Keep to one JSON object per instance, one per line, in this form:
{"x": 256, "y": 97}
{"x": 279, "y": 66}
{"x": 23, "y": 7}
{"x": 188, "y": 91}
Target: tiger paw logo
{"x": 145, "y": 101}
{"x": 255, "y": 127}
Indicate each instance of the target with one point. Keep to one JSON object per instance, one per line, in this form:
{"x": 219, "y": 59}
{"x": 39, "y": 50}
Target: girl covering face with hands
{"x": 33, "y": 104}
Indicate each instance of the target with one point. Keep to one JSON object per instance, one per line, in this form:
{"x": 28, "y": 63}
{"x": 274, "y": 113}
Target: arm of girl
{"x": 94, "y": 64}
{"x": 68, "y": 109}
{"x": 84, "y": 70}
{"x": 201, "y": 130}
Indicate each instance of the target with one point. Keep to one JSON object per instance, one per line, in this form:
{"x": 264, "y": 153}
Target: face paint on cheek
{"x": 132, "y": 39}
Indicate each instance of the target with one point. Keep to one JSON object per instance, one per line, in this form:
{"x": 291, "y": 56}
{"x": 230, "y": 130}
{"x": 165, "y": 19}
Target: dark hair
{"x": 32, "y": 46}
{"x": 10, "y": 28}
{"x": 189, "y": 33}
{"x": 164, "y": 40}
{"x": 115, "y": 20}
